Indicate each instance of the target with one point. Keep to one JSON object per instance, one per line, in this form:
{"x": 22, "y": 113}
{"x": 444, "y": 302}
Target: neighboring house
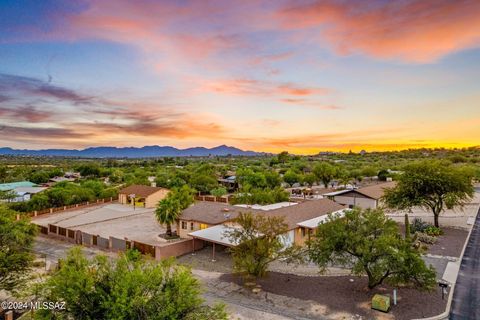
{"x": 23, "y": 190}
{"x": 71, "y": 174}
{"x": 142, "y": 196}
{"x": 229, "y": 182}
{"x": 26, "y": 193}
{"x": 204, "y": 220}
{"x": 365, "y": 197}
{"x": 308, "y": 193}
{"x": 61, "y": 179}
{"x": 14, "y": 185}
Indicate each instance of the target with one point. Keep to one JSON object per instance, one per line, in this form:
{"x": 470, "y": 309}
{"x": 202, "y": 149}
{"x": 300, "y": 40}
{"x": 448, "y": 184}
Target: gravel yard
{"x": 450, "y": 243}
{"x": 340, "y": 295}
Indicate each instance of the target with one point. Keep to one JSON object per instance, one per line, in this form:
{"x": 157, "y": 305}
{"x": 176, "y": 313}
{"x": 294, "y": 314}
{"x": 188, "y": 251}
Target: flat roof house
{"x": 23, "y": 190}
{"x": 142, "y": 196}
{"x": 365, "y": 197}
{"x": 13, "y": 185}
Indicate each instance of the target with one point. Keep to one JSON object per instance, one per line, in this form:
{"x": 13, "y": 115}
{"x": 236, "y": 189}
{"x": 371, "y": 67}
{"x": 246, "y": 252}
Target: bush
{"x": 433, "y": 231}
{"x": 123, "y": 288}
{"x": 425, "y": 238}
{"x": 419, "y": 225}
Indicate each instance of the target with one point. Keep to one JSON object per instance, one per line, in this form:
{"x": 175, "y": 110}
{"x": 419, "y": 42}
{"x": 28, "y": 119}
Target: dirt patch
{"x": 340, "y": 294}
{"x": 450, "y": 243}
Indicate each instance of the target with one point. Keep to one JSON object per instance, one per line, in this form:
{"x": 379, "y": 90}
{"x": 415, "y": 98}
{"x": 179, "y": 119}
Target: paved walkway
{"x": 466, "y": 297}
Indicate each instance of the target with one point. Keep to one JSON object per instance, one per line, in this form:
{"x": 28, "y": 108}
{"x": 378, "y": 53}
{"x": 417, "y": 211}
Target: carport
{"x": 214, "y": 235}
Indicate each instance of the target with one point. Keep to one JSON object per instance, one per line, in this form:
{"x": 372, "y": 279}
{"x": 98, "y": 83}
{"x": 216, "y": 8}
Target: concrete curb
{"x": 445, "y": 315}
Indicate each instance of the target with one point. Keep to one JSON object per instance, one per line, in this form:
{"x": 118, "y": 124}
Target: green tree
{"x": 218, "y": 192}
{"x": 3, "y": 174}
{"x": 7, "y": 195}
{"x": 203, "y": 182}
{"x": 291, "y": 177}
{"x": 89, "y": 170}
{"x": 39, "y": 177}
{"x": 357, "y": 175}
{"x": 259, "y": 243}
{"x": 283, "y": 157}
{"x": 433, "y": 185}
{"x": 343, "y": 176}
{"x": 272, "y": 179}
{"x": 124, "y": 288}
{"x": 310, "y": 179}
{"x": 370, "y": 243}
{"x": 383, "y": 175}
{"x": 16, "y": 242}
{"x": 324, "y": 172}
{"x": 369, "y": 172}
{"x": 184, "y": 195}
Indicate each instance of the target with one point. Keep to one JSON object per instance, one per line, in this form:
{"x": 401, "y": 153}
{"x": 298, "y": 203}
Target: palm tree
{"x": 167, "y": 212}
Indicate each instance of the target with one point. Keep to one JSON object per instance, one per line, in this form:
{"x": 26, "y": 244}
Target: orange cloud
{"x": 412, "y": 31}
{"x": 261, "y": 88}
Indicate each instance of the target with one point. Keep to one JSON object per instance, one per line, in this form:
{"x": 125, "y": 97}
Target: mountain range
{"x": 132, "y": 152}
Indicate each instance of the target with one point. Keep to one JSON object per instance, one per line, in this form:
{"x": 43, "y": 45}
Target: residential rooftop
{"x": 375, "y": 191}
{"x": 15, "y": 185}
{"x": 216, "y": 213}
{"x": 140, "y": 190}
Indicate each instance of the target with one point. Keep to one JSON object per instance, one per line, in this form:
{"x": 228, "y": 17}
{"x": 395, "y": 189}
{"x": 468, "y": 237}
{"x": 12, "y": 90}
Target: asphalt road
{"x": 466, "y": 297}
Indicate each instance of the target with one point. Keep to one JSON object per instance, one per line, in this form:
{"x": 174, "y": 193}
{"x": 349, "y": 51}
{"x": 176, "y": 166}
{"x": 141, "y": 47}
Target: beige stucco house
{"x": 142, "y": 196}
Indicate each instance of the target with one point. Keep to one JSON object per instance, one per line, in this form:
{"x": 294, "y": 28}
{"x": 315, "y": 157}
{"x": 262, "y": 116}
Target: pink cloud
{"x": 412, "y": 31}
{"x": 261, "y": 88}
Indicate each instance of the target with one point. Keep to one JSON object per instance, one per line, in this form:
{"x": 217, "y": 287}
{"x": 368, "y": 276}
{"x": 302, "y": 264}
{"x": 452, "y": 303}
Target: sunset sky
{"x": 302, "y": 76}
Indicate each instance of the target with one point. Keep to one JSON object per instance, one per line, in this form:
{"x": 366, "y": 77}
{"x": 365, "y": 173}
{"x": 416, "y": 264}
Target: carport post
{"x": 213, "y": 253}
{"x": 193, "y": 246}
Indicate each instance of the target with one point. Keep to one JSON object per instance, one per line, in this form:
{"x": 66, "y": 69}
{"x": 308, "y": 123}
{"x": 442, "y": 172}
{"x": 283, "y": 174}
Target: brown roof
{"x": 140, "y": 190}
{"x": 305, "y": 211}
{"x": 216, "y": 213}
{"x": 376, "y": 191}
{"x": 212, "y": 212}
{"x": 324, "y": 190}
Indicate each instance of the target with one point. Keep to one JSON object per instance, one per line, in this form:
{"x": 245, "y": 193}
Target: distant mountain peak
{"x": 153, "y": 151}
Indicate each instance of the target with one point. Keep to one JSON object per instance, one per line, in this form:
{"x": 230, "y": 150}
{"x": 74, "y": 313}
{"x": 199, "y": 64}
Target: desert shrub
{"x": 425, "y": 238}
{"x": 433, "y": 231}
{"x": 419, "y": 225}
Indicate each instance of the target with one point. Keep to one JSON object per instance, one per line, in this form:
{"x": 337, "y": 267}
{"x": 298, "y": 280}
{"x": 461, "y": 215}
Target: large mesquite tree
{"x": 370, "y": 244}
{"x": 433, "y": 185}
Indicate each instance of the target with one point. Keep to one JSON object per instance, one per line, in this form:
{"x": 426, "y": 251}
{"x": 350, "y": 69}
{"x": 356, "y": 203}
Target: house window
{"x": 191, "y": 225}
{"x": 203, "y": 226}
{"x": 184, "y": 225}
{"x": 303, "y": 232}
